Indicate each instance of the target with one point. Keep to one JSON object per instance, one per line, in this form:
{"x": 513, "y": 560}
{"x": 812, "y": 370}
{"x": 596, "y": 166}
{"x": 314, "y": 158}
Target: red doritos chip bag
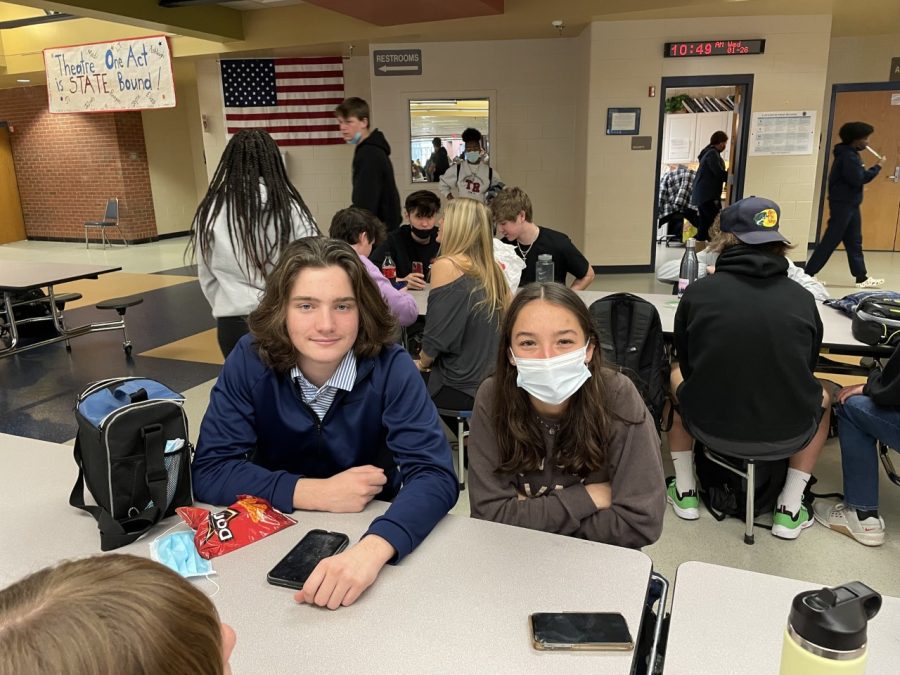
{"x": 249, "y": 519}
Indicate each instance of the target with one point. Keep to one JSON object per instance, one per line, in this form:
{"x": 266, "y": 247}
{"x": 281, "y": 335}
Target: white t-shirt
{"x": 468, "y": 180}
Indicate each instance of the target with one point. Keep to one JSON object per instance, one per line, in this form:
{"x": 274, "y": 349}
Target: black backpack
{"x": 631, "y": 338}
{"x": 124, "y": 427}
{"x": 725, "y": 493}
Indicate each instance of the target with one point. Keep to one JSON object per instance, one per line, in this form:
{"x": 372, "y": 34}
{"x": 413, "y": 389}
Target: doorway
{"x": 691, "y": 110}
{"x": 879, "y": 105}
{"x": 12, "y": 226}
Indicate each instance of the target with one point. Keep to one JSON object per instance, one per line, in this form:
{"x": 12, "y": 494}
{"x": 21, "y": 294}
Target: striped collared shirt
{"x": 321, "y": 398}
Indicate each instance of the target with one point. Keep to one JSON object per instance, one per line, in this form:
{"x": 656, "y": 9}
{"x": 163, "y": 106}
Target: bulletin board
{"x": 783, "y": 133}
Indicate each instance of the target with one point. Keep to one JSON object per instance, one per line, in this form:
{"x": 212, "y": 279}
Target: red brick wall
{"x": 67, "y": 166}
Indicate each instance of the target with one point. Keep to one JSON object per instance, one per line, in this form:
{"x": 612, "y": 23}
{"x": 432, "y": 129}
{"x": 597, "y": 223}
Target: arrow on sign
{"x": 385, "y": 69}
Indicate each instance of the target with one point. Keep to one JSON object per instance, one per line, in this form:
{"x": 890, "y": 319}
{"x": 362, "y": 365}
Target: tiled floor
{"x": 174, "y": 341}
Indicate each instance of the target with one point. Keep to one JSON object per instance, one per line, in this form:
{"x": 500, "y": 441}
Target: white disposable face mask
{"x": 555, "y": 379}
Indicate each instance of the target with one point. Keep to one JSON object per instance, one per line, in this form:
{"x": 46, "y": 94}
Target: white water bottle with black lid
{"x": 689, "y": 266}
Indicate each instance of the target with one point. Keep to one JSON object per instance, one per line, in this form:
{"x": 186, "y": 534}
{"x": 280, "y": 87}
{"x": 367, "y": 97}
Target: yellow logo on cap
{"x": 766, "y": 218}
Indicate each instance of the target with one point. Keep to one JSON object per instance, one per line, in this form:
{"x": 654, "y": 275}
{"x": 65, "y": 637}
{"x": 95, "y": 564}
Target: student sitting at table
{"x": 512, "y": 215}
{"x": 250, "y": 213}
{"x": 111, "y": 614}
{"x": 558, "y": 442}
{"x": 362, "y": 230}
{"x": 467, "y": 298}
{"x": 867, "y": 413}
{"x": 668, "y": 271}
{"x": 317, "y": 409}
{"x": 414, "y": 242}
{"x": 747, "y": 341}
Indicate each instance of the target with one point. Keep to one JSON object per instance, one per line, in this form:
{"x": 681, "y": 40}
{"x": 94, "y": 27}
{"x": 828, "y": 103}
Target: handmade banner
{"x": 133, "y": 74}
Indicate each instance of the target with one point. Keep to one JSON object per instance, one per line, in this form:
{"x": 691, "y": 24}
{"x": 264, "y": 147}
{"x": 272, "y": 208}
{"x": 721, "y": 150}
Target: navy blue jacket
{"x": 258, "y": 437}
{"x": 711, "y": 175}
{"x": 848, "y": 175}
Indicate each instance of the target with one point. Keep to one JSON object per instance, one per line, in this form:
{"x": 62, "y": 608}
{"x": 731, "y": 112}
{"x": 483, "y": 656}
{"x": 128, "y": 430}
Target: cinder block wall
{"x": 67, "y": 166}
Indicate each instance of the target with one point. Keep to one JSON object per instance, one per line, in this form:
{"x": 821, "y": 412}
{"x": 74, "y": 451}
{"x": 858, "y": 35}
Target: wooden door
{"x": 12, "y": 227}
{"x": 881, "y": 206}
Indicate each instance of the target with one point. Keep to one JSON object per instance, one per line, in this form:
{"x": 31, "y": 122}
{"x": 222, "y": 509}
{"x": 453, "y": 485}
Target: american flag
{"x": 293, "y": 99}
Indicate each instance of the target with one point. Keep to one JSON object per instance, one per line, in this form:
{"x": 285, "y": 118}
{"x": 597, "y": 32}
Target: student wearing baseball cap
{"x": 747, "y": 340}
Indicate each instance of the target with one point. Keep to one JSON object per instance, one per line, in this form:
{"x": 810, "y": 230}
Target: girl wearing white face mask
{"x": 559, "y": 443}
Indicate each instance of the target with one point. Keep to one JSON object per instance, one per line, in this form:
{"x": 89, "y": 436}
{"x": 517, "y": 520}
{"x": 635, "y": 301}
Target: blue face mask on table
{"x": 178, "y": 552}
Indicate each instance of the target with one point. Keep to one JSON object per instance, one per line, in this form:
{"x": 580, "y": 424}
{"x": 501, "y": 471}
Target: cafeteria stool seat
{"x": 121, "y": 305}
{"x": 462, "y": 418}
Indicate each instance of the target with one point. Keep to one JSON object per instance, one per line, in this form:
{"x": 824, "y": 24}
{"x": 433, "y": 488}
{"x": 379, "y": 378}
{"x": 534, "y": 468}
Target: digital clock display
{"x": 713, "y": 48}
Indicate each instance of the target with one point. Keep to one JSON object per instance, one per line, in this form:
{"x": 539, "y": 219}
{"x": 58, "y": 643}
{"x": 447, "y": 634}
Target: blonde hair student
{"x": 111, "y": 614}
{"x": 465, "y": 306}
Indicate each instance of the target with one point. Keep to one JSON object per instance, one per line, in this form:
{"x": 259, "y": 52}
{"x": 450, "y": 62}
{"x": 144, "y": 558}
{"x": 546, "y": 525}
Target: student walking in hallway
{"x": 845, "y": 194}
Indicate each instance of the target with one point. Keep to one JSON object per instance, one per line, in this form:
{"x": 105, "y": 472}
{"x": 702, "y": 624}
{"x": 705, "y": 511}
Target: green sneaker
{"x": 786, "y": 525}
{"x": 687, "y": 505}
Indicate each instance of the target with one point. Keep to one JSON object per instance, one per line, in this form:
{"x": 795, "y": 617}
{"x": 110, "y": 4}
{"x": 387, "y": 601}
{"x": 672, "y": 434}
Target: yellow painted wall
{"x": 177, "y": 179}
{"x": 626, "y": 58}
{"x": 534, "y": 89}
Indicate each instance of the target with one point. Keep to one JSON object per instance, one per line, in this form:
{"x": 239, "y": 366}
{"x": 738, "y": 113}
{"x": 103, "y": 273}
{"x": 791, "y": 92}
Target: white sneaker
{"x": 842, "y": 518}
{"x": 871, "y": 282}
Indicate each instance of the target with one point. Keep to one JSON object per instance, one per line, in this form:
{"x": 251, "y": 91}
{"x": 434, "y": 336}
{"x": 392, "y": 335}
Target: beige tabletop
{"x": 731, "y": 621}
{"x": 17, "y": 276}
{"x": 836, "y": 325}
{"x": 459, "y": 603}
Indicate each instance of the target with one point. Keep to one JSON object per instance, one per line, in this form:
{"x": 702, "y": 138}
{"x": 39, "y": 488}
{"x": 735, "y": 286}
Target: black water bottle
{"x": 689, "y": 266}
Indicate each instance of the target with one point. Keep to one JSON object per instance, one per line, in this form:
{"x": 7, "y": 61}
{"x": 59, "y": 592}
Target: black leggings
{"x": 230, "y": 329}
{"x": 448, "y": 398}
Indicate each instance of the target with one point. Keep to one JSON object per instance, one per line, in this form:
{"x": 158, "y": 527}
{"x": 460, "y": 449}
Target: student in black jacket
{"x": 747, "y": 340}
{"x": 711, "y": 176}
{"x": 867, "y": 413}
{"x": 374, "y": 187}
{"x": 845, "y": 194}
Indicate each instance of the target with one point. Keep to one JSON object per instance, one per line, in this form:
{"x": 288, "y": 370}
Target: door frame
{"x": 826, "y": 151}
{"x": 680, "y": 82}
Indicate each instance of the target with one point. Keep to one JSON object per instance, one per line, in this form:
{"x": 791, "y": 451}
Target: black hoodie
{"x": 884, "y": 385}
{"x": 710, "y": 176}
{"x": 747, "y": 341}
{"x": 848, "y": 175}
{"x": 374, "y": 187}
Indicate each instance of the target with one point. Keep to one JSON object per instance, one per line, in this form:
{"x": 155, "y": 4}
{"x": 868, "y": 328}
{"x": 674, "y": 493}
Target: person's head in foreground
{"x": 110, "y": 615}
{"x": 319, "y": 304}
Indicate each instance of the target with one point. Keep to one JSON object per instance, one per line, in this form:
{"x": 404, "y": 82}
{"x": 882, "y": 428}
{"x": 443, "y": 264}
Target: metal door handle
{"x": 895, "y": 176}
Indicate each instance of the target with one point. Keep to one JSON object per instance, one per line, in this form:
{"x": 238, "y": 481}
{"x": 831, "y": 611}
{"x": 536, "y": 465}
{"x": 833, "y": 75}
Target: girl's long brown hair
{"x": 108, "y": 614}
{"x": 585, "y": 427}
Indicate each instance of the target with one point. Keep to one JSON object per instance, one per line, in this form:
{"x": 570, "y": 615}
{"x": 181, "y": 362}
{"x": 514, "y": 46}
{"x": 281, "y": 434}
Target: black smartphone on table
{"x": 294, "y": 569}
{"x": 580, "y": 631}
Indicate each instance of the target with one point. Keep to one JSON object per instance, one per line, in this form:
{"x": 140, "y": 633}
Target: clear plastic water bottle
{"x": 689, "y": 266}
{"x": 389, "y": 269}
{"x": 544, "y": 269}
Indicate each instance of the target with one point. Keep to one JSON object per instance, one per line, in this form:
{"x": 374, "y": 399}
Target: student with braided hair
{"x": 250, "y": 213}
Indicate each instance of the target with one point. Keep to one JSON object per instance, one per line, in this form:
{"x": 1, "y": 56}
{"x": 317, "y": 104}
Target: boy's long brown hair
{"x": 585, "y": 427}
{"x": 268, "y": 321}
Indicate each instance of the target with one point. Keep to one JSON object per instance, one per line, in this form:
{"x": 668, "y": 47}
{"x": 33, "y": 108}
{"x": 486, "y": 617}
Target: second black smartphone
{"x": 294, "y": 569}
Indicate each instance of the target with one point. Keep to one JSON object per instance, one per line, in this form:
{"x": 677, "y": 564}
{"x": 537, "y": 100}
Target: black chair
{"x": 121, "y": 305}
{"x": 110, "y": 219}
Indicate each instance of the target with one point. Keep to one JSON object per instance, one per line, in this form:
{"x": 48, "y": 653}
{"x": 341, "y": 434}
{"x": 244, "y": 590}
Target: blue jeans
{"x": 861, "y": 423}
